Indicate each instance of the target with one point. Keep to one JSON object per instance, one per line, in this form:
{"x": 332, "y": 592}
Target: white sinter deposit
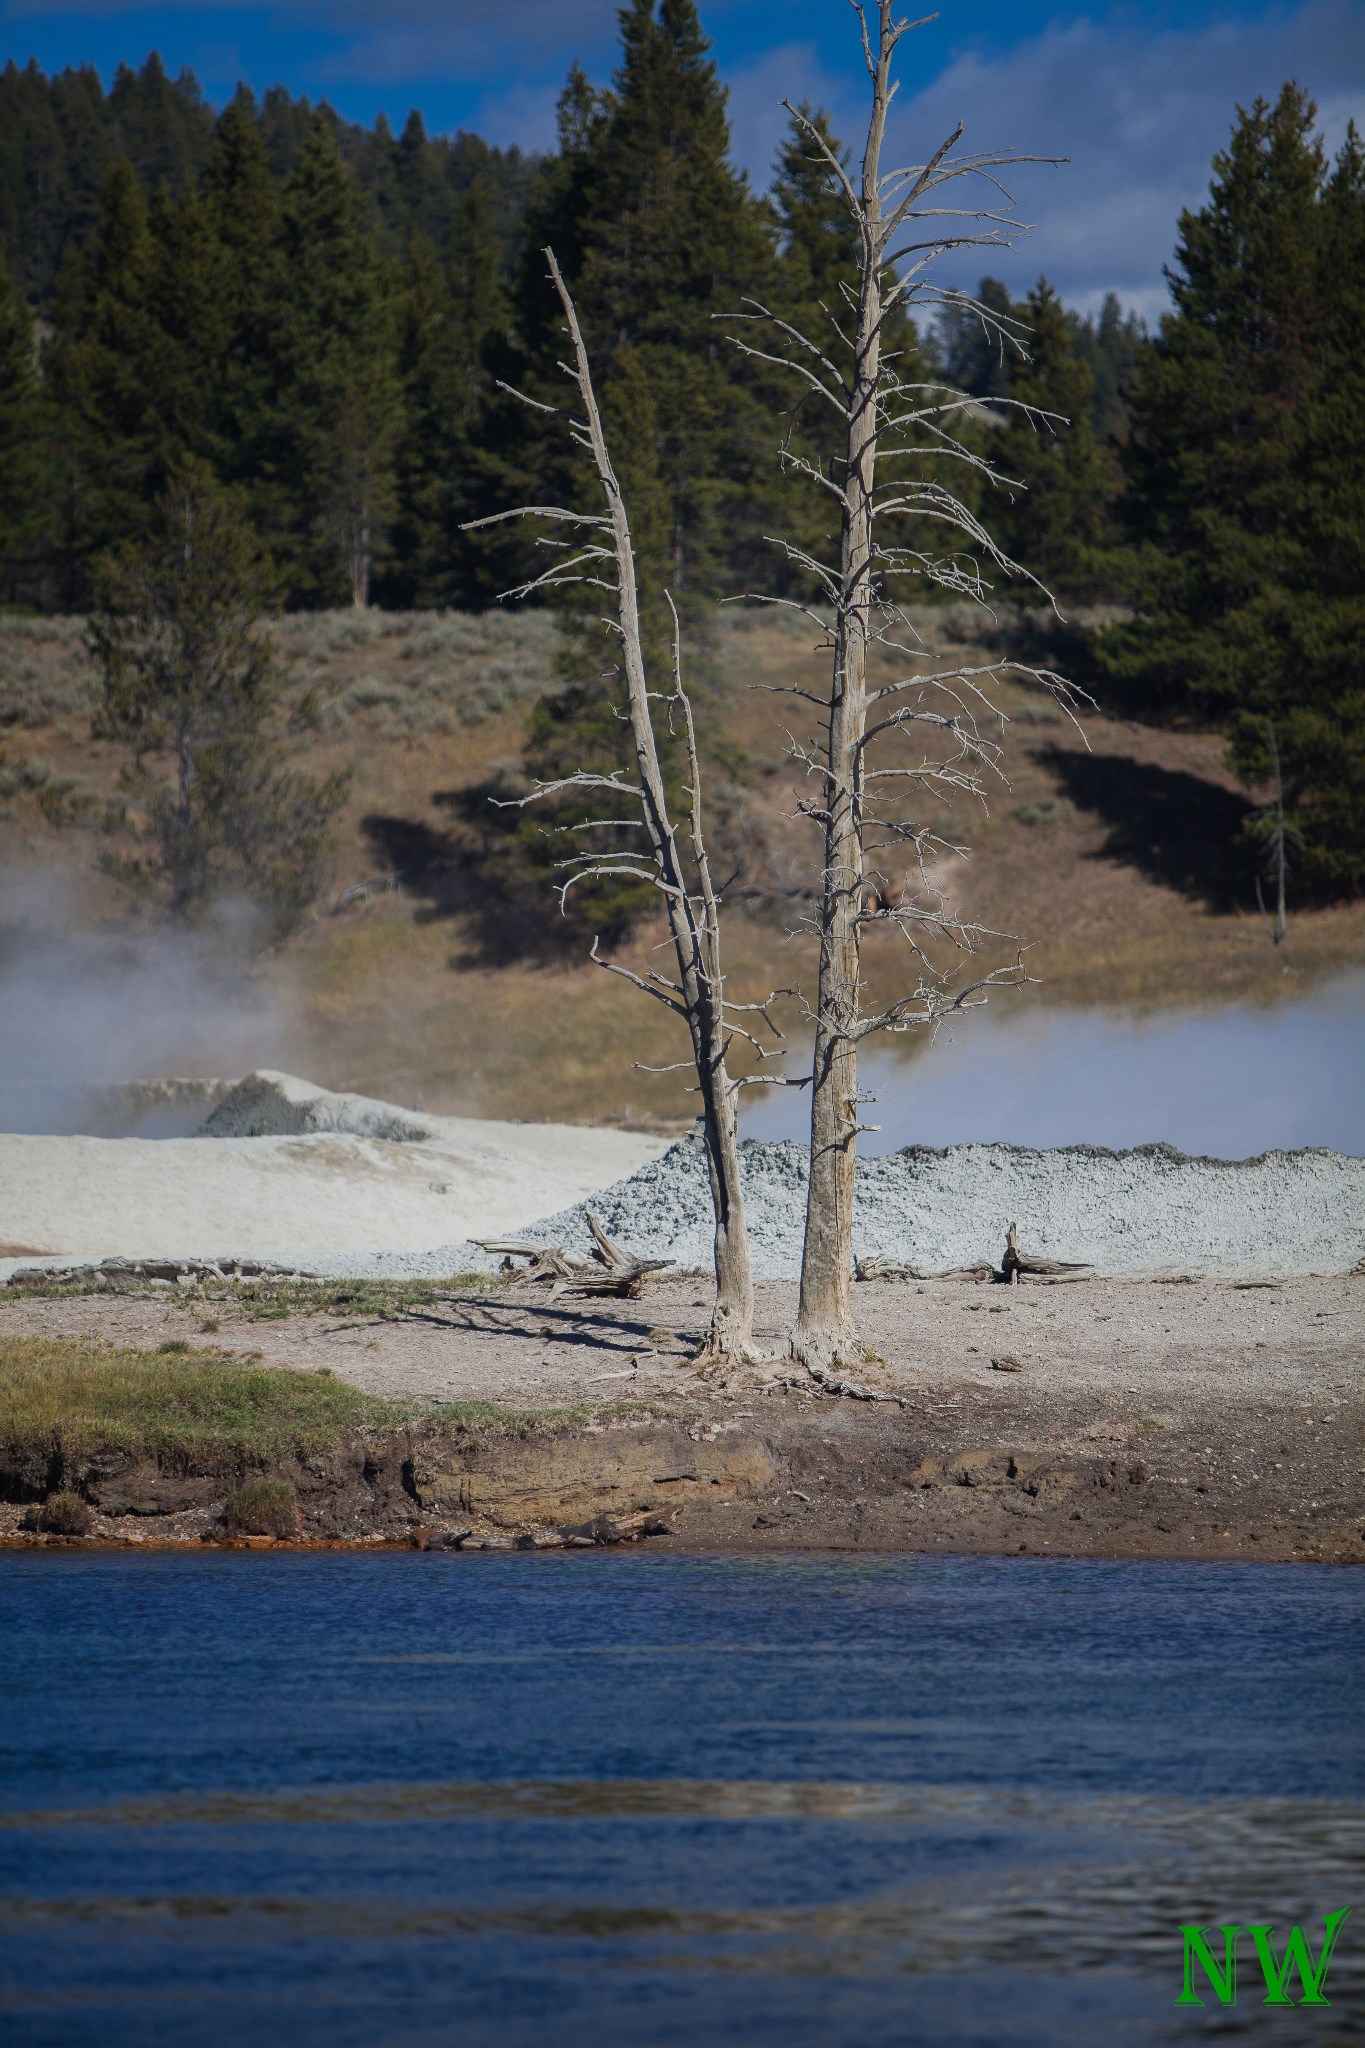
{"x": 296, "y": 1175}
{"x": 286, "y": 1171}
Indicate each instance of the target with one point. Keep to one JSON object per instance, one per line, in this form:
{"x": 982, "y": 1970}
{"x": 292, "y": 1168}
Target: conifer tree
{"x": 190, "y": 311}
{"x": 103, "y": 364}
{"x": 27, "y": 469}
{"x": 1053, "y": 525}
{"x": 242, "y": 201}
{"x": 662, "y": 235}
{"x": 190, "y": 675}
{"x": 338, "y": 397}
{"x": 1245, "y": 479}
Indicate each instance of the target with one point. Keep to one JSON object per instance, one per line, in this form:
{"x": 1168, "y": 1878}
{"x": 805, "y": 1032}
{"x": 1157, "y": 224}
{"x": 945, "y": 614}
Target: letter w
{"x": 1197, "y": 1950}
{"x": 1297, "y": 1956}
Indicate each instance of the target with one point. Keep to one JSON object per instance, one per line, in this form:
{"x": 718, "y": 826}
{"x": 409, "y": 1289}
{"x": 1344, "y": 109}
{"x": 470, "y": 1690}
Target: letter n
{"x": 1297, "y": 1956}
{"x": 1197, "y": 1950}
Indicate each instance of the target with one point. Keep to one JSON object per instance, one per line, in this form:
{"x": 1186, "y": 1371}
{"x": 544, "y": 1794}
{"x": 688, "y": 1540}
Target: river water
{"x": 549, "y": 1802}
{"x": 1229, "y": 1081}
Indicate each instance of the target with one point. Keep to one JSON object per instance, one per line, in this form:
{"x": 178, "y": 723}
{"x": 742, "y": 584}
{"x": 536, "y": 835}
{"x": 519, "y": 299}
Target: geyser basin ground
{"x": 288, "y": 1172}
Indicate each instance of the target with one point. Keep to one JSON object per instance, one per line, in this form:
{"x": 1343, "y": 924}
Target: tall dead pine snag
{"x": 672, "y": 858}
{"x": 923, "y": 734}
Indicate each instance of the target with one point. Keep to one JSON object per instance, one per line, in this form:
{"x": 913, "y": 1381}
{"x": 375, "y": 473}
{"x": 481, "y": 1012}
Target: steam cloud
{"x": 83, "y": 1013}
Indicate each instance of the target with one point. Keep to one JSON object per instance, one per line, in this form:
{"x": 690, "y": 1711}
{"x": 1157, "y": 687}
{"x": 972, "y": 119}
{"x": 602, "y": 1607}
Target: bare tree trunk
{"x": 824, "y": 1330}
{"x": 691, "y": 904}
{"x": 918, "y": 730}
{"x": 1281, "y": 921}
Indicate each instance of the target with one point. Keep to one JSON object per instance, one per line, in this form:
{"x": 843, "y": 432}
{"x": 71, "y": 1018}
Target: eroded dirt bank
{"x": 1103, "y": 1418}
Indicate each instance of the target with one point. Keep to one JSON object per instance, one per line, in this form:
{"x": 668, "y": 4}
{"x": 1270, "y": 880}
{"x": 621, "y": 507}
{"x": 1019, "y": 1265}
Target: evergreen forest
{"x": 322, "y": 319}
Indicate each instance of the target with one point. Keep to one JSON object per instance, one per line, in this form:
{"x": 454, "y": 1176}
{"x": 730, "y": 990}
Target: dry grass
{"x": 1107, "y": 852}
{"x": 72, "y": 1393}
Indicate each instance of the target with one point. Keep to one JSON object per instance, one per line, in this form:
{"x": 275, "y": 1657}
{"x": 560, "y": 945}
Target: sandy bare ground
{"x": 1129, "y": 1417}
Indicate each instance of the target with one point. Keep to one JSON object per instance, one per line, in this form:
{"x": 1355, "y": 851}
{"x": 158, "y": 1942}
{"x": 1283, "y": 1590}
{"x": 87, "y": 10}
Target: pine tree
{"x": 1110, "y": 347}
{"x": 659, "y": 236}
{"x": 338, "y": 402}
{"x": 1052, "y": 527}
{"x": 1317, "y": 726}
{"x": 189, "y": 306}
{"x": 417, "y": 570}
{"x": 243, "y": 204}
{"x": 1245, "y": 479}
{"x": 978, "y": 356}
{"x": 103, "y": 363}
{"x": 27, "y": 470}
{"x": 190, "y": 674}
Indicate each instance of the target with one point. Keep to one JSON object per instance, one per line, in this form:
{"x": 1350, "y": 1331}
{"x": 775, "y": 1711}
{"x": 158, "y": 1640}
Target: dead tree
{"x": 930, "y": 726}
{"x": 673, "y": 859}
{"x": 1277, "y": 836}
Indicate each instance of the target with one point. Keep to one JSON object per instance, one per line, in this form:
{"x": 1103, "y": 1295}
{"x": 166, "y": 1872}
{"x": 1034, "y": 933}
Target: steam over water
{"x": 1229, "y": 1082}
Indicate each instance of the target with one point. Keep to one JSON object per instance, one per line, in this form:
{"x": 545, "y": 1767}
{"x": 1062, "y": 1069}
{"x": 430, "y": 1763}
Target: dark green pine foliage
{"x": 162, "y": 126}
{"x": 190, "y": 312}
{"x": 1244, "y": 467}
{"x": 1319, "y": 718}
{"x": 580, "y": 727}
{"x": 418, "y": 571}
{"x": 242, "y": 202}
{"x": 1110, "y": 347}
{"x": 190, "y": 677}
{"x": 452, "y": 345}
{"x": 27, "y": 469}
{"x": 331, "y": 500}
{"x": 1053, "y": 527}
{"x": 981, "y": 352}
{"x": 816, "y": 290}
{"x": 657, "y": 235}
{"x": 102, "y": 367}
{"x": 817, "y": 266}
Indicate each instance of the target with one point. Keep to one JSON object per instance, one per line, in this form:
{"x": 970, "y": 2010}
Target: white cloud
{"x": 1138, "y": 115}
{"x": 758, "y": 120}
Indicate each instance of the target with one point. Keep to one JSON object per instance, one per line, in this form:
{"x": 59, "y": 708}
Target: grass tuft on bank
{"x": 70, "y": 1393}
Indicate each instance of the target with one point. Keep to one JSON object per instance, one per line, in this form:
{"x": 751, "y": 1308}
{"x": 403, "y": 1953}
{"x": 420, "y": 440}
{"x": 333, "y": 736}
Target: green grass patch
{"x": 263, "y": 1507}
{"x": 61, "y": 1514}
{"x": 272, "y": 1301}
{"x": 72, "y": 1393}
{"x": 269, "y": 1301}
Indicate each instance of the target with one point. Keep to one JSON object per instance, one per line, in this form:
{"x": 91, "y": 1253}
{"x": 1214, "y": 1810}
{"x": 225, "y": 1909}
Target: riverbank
{"x": 1102, "y": 1418}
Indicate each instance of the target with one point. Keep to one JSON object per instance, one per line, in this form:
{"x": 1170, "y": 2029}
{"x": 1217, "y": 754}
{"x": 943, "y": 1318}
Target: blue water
{"x": 504, "y": 1801}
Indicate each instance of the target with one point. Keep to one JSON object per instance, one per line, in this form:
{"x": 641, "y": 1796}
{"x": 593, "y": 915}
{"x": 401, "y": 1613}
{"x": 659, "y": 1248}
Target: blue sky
{"x": 1136, "y": 97}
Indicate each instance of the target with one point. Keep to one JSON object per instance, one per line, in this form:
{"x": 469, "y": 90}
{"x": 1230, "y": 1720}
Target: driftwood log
{"x": 1012, "y": 1268}
{"x": 608, "y": 1271}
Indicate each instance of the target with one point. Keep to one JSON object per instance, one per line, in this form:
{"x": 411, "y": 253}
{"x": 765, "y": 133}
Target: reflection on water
{"x": 1228, "y": 1082}
{"x": 646, "y": 1801}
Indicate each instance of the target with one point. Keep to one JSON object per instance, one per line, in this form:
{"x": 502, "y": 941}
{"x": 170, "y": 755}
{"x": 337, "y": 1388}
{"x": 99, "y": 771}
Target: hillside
{"x": 1107, "y": 852}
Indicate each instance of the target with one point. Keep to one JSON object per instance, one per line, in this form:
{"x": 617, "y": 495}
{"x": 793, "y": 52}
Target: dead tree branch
{"x": 898, "y": 445}
{"x": 674, "y": 860}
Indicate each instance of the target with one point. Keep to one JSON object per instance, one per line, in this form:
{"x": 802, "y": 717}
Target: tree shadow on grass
{"x": 1172, "y": 826}
{"x": 463, "y": 870}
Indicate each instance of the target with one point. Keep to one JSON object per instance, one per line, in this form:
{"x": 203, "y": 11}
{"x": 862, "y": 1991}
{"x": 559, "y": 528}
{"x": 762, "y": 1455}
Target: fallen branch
{"x": 1013, "y": 1266}
{"x": 1016, "y": 1262}
{"x": 608, "y": 1271}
